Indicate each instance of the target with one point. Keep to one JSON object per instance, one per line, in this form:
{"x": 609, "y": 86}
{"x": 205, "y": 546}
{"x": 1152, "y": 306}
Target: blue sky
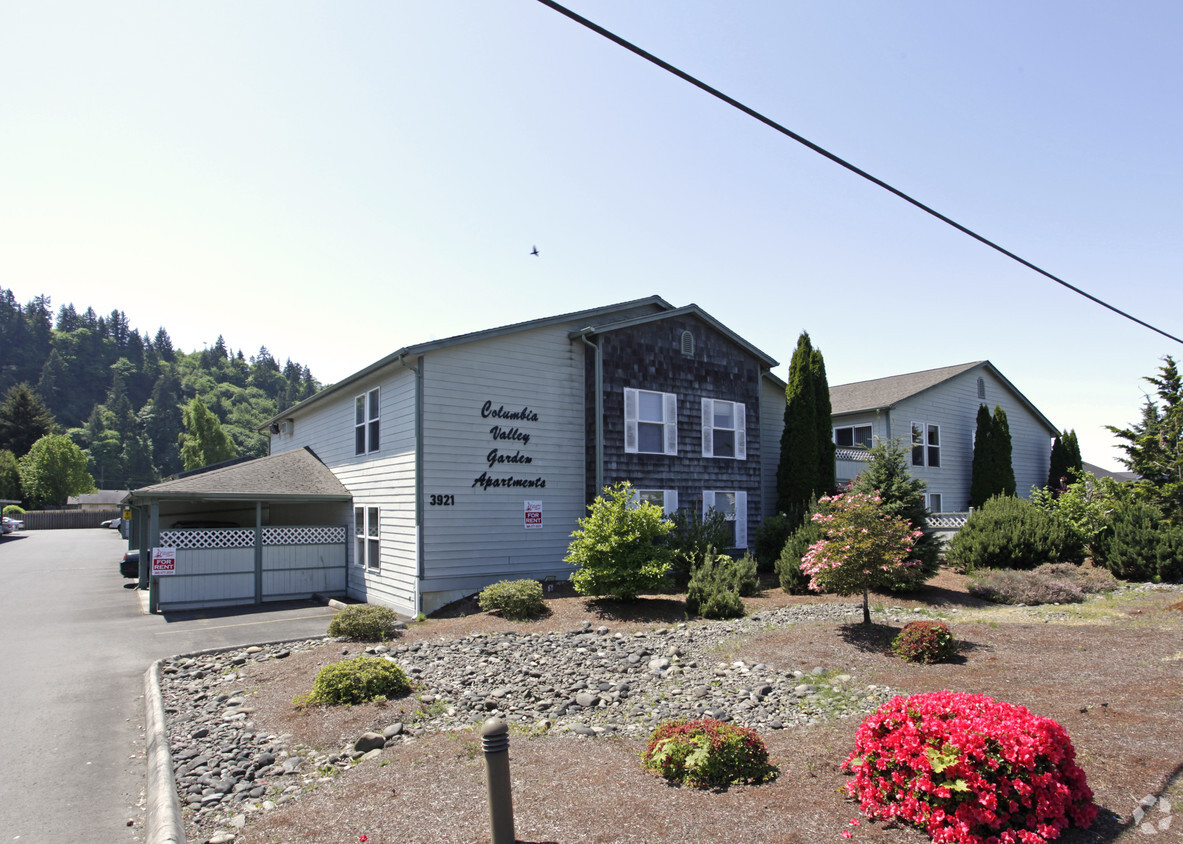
{"x": 339, "y": 180}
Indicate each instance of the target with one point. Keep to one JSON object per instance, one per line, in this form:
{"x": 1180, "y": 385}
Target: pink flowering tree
{"x": 863, "y": 547}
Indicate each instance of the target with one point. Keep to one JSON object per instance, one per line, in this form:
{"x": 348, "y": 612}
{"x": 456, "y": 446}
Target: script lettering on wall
{"x": 511, "y": 441}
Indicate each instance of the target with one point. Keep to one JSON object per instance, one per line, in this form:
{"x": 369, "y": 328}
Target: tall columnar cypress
{"x": 1072, "y": 444}
{"x": 796, "y": 476}
{"x": 1000, "y": 445}
{"x": 1065, "y": 459}
{"x": 826, "y": 478}
{"x": 982, "y": 483}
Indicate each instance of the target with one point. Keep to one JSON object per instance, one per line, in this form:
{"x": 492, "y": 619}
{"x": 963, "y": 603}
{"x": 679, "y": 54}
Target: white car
{"x": 11, "y": 524}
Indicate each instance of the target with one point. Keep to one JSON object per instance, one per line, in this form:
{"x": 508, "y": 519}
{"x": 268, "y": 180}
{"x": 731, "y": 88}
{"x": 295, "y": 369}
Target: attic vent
{"x": 687, "y": 344}
{"x": 981, "y": 388}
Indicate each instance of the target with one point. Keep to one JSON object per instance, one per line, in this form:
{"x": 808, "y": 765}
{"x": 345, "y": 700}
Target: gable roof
{"x": 597, "y": 317}
{"x": 686, "y": 310}
{"x": 886, "y": 393}
{"x": 296, "y": 475}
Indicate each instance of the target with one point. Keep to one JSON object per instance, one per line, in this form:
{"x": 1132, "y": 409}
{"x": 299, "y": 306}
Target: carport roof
{"x": 297, "y": 475}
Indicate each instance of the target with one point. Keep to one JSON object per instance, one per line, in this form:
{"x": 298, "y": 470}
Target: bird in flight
{"x": 534, "y": 251}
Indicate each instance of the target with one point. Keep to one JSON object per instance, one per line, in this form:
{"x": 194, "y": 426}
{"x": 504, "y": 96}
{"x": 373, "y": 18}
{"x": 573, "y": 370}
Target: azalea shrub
{"x": 968, "y": 769}
{"x": 862, "y": 548}
{"x": 706, "y": 753}
{"x": 925, "y": 641}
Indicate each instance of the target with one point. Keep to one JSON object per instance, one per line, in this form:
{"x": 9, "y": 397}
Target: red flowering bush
{"x": 708, "y": 753}
{"x": 969, "y": 770}
{"x": 925, "y": 641}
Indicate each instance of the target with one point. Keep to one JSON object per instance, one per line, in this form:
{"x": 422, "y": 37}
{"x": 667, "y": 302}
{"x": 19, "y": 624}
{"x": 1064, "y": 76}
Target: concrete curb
{"x": 164, "y": 823}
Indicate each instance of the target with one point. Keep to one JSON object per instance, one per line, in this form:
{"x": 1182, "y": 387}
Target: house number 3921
{"x": 442, "y": 500}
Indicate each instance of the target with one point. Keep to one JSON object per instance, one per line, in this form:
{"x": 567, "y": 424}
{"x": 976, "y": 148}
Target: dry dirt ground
{"x": 1110, "y": 671}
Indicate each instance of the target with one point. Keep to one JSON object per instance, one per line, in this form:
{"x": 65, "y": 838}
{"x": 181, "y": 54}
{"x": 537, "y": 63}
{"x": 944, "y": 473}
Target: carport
{"x": 269, "y": 529}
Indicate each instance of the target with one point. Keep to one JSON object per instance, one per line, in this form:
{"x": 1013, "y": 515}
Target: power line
{"x": 767, "y": 121}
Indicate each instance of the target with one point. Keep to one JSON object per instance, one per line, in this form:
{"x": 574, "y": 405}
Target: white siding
{"x": 954, "y": 406}
{"x": 385, "y": 479}
{"x": 475, "y": 534}
{"x": 772, "y": 425}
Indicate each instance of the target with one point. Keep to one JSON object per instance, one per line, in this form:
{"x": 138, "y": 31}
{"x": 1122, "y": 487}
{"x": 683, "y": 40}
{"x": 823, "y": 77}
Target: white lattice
{"x": 947, "y": 520}
{"x": 208, "y": 538}
{"x": 334, "y": 534}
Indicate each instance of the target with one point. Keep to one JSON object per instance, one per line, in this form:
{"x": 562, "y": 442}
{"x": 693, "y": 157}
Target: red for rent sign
{"x": 533, "y": 515}
{"x": 164, "y": 561}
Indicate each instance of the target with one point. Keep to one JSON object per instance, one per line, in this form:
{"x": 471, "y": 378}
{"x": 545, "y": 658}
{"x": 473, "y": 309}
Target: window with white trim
{"x": 650, "y": 422}
{"x": 366, "y": 422}
{"x": 666, "y": 499}
{"x": 367, "y": 541}
{"x": 932, "y": 500}
{"x": 926, "y": 445}
{"x": 734, "y": 506}
{"x": 853, "y": 436}
{"x": 724, "y": 429}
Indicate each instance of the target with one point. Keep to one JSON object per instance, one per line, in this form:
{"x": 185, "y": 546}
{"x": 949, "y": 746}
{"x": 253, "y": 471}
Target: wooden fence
{"x": 65, "y": 519}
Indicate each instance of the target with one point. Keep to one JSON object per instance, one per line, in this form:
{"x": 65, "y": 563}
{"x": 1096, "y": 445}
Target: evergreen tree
{"x": 1000, "y": 443}
{"x": 1072, "y": 445}
{"x": 24, "y": 419}
{"x": 203, "y": 443}
{"x": 1065, "y": 460}
{"x": 799, "y": 476}
{"x": 163, "y": 423}
{"x": 826, "y": 478}
{"x": 982, "y": 482}
{"x": 1154, "y": 446}
{"x": 10, "y": 477}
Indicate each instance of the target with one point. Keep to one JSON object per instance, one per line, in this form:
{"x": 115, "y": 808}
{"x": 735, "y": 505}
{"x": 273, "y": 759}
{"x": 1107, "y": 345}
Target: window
{"x": 650, "y": 422}
{"x": 666, "y": 499}
{"x": 926, "y": 445}
{"x": 981, "y": 388}
{"x": 734, "y": 506}
{"x": 853, "y": 436}
{"x": 932, "y": 501}
{"x": 366, "y": 539}
{"x": 724, "y": 429}
{"x": 366, "y": 422}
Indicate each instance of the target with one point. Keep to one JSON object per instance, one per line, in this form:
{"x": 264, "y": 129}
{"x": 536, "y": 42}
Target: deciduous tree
{"x": 204, "y": 442}
{"x": 53, "y": 470}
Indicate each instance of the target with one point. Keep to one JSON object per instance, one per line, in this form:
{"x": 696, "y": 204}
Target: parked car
{"x": 11, "y": 524}
{"x": 5, "y": 527}
{"x": 112, "y": 523}
{"x": 130, "y": 566}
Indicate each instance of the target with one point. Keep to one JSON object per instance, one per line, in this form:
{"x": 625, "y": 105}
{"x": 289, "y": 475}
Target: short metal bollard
{"x": 495, "y": 743}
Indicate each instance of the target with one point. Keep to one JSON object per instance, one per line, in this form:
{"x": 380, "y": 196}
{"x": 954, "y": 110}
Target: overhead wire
{"x": 767, "y": 121}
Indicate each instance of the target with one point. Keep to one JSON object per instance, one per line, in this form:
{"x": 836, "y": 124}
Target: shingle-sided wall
{"x": 649, "y": 357}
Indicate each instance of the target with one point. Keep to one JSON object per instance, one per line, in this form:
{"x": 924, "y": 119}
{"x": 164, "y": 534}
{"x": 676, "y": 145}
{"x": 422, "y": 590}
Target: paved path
{"x": 74, "y": 646}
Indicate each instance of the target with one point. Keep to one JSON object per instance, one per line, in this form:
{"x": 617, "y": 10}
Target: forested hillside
{"x": 119, "y": 394}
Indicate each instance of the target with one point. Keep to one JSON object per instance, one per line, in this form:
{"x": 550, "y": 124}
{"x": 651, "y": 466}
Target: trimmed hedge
{"x": 365, "y": 623}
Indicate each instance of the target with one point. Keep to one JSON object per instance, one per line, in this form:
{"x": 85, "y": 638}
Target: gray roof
{"x": 597, "y": 317}
{"x": 1097, "y": 471}
{"x": 885, "y": 393}
{"x": 297, "y": 475}
{"x": 882, "y": 393}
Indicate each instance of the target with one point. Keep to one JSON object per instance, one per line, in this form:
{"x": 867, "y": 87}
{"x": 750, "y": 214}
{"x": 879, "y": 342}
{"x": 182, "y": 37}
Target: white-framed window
{"x": 666, "y": 499}
{"x": 366, "y": 422}
{"x": 734, "y": 506}
{"x": 650, "y": 422}
{"x": 724, "y": 429}
{"x": 367, "y": 539}
{"x": 926, "y": 445}
{"x": 853, "y": 436}
{"x": 932, "y": 500}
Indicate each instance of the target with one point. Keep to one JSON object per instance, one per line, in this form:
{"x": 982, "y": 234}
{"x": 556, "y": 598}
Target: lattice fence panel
{"x": 333, "y": 534}
{"x": 208, "y": 538}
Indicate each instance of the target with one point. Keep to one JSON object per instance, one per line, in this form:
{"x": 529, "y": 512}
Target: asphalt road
{"x": 74, "y": 646}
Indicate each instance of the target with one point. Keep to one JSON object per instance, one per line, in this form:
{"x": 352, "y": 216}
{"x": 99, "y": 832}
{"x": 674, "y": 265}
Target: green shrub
{"x": 788, "y": 565}
{"x": 620, "y": 547}
{"x": 13, "y": 510}
{"x": 925, "y": 641}
{"x": 365, "y": 623}
{"x": 1140, "y": 545}
{"x": 693, "y": 537}
{"x": 1013, "y": 533}
{"x": 516, "y": 600}
{"x": 356, "y": 680}
{"x": 772, "y": 535}
{"x": 718, "y": 583}
{"x": 705, "y": 753}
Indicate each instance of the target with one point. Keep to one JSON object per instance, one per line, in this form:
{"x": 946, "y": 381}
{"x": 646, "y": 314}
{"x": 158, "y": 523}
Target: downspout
{"x": 599, "y": 387}
{"x": 418, "y": 478}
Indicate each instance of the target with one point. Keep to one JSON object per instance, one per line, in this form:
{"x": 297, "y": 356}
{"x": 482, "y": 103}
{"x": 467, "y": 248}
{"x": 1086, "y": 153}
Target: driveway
{"x": 74, "y": 646}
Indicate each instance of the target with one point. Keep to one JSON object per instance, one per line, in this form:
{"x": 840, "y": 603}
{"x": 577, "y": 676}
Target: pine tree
{"x": 24, "y": 419}
{"x": 1154, "y": 446}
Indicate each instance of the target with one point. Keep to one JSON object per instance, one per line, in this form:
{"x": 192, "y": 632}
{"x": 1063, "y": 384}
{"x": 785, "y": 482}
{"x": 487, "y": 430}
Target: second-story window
{"x": 650, "y": 422}
{"x": 723, "y": 429}
{"x": 366, "y": 422}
